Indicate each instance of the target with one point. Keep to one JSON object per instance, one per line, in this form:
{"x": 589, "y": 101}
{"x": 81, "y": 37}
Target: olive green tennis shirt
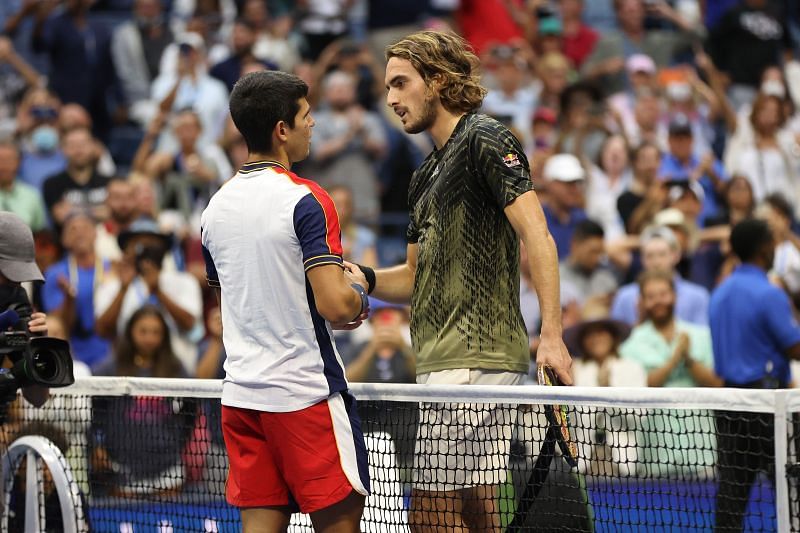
{"x": 465, "y": 305}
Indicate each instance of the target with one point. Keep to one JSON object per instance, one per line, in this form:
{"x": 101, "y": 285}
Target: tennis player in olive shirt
{"x": 471, "y": 201}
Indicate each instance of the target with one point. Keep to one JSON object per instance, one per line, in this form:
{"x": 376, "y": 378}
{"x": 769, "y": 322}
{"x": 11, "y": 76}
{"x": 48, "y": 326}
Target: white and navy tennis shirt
{"x": 261, "y": 232}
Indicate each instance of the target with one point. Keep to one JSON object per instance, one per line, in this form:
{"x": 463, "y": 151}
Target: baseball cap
{"x": 17, "y": 253}
{"x": 143, "y": 226}
{"x": 563, "y": 167}
{"x": 640, "y": 63}
{"x": 678, "y": 187}
{"x": 680, "y": 124}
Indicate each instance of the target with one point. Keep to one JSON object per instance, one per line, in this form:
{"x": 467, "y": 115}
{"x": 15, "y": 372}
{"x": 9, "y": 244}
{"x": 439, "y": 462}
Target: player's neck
{"x": 443, "y": 126}
{"x": 281, "y": 157}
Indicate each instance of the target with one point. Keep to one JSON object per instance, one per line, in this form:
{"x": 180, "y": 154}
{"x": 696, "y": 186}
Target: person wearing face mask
{"x": 136, "y": 49}
{"x": 37, "y": 118}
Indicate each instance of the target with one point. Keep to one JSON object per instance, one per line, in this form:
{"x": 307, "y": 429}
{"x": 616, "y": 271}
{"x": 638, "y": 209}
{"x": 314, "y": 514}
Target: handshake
{"x": 358, "y": 280}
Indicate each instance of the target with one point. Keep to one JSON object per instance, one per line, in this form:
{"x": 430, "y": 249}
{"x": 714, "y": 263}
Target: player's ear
{"x": 281, "y": 131}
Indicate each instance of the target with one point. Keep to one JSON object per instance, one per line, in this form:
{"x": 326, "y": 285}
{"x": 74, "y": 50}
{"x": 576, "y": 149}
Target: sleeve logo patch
{"x": 511, "y": 160}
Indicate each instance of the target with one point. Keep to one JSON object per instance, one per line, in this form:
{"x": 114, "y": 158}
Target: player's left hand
{"x": 553, "y": 352}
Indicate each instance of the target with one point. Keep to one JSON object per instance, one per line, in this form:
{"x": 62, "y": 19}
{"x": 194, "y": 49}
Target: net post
{"x": 781, "y": 459}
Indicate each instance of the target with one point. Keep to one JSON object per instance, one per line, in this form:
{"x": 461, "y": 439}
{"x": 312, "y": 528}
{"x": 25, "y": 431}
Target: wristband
{"x": 364, "y": 299}
{"x": 370, "y": 275}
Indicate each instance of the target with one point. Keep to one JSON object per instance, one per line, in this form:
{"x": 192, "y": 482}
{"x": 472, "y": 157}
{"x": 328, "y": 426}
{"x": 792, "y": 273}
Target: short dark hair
{"x": 780, "y": 204}
{"x": 748, "y": 237}
{"x": 260, "y": 100}
{"x": 587, "y": 229}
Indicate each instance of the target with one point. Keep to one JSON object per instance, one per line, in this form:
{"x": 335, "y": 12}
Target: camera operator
{"x": 17, "y": 265}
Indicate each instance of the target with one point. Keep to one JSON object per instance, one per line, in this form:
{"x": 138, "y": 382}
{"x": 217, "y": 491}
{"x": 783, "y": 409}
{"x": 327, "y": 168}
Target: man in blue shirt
{"x": 681, "y": 164}
{"x": 565, "y": 196}
{"x": 754, "y": 335}
{"x": 70, "y": 285}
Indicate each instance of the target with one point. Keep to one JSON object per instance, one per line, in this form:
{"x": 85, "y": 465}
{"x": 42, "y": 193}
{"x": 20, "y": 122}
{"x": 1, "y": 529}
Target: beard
{"x": 427, "y": 116}
{"x": 661, "y": 315}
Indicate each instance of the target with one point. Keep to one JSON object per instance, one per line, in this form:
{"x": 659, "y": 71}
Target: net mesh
{"x": 153, "y": 459}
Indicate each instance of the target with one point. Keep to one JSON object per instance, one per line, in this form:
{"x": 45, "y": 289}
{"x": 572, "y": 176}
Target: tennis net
{"x": 148, "y": 455}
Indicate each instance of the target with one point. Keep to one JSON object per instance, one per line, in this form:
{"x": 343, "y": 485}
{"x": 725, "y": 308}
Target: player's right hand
{"x": 554, "y": 353}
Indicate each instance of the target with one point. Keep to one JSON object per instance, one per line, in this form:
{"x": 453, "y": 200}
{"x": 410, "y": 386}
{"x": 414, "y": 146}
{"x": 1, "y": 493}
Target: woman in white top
{"x": 770, "y": 158}
{"x": 611, "y": 447}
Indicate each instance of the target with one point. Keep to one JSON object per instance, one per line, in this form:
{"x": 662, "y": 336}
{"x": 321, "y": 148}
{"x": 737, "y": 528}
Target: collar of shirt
{"x": 748, "y": 269}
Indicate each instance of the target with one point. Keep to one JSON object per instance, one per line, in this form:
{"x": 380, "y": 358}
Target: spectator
{"x": 273, "y": 43}
{"x": 37, "y": 121}
{"x": 607, "y": 61}
{"x": 645, "y": 195}
{"x": 777, "y": 212}
{"x": 123, "y": 463}
{"x": 754, "y": 334}
{"x": 738, "y": 203}
{"x": 243, "y": 40}
{"x": 16, "y": 76}
{"x": 646, "y": 125}
{"x": 139, "y": 280}
{"x": 594, "y": 343}
{"x": 121, "y": 206}
{"x": 485, "y": 23}
{"x": 660, "y": 251}
{"x": 211, "y": 350}
{"x": 194, "y": 88}
{"x": 748, "y": 38}
{"x": 136, "y": 48}
{"x": 564, "y": 176}
{"x": 607, "y": 180}
{"x": 554, "y": 73}
{"x": 583, "y": 120}
{"x": 81, "y": 69}
{"x": 583, "y": 266}
{"x": 80, "y": 185}
{"x": 641, "y": 77}
{"x": 190, "y": 174}
{"x": 355, "y": 60}
{"x": 72, "y": 116}
{"x": 358, "y": 241}
{"x": 770, "y": 159}
{"x": 16, "y": 197}
{"x": 514, "y": 100}
{"x": 578, "y": 38}
{"x": 387, "y": 357}
{"x": 673, "y": 352}
{"x": 69, "y": 288}
{"x": 348, "y": 141}
{"x": 321, "y": 23}
{"x": 680, "y": 164}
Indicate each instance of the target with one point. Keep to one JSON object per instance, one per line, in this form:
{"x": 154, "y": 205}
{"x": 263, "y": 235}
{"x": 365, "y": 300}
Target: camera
{"x": 36, "y": 360}
{"x": 154, "y": 254}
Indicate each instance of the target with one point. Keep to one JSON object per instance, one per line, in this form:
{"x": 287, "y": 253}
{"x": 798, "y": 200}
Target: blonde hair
{"x": 447, "y": 58}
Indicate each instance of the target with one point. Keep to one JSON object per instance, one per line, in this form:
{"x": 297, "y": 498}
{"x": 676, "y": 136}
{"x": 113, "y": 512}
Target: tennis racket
{"x": 558, "y": 433}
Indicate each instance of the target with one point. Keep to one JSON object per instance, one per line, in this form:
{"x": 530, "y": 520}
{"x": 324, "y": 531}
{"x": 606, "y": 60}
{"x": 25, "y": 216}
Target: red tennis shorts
{"x": 308, "y": 459}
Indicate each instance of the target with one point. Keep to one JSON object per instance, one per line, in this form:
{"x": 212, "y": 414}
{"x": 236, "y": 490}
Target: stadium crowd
{"x": 652, "y": 128}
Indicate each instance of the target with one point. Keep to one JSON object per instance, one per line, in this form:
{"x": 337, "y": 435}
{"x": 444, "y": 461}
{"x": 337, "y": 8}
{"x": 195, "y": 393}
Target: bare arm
{"x": 526, "y": 216}
{"x": 703, "y": 376}
{"x": 209, "y": 361}
{"x": 397, "y": 283}
{"x": 357, "y": 370}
